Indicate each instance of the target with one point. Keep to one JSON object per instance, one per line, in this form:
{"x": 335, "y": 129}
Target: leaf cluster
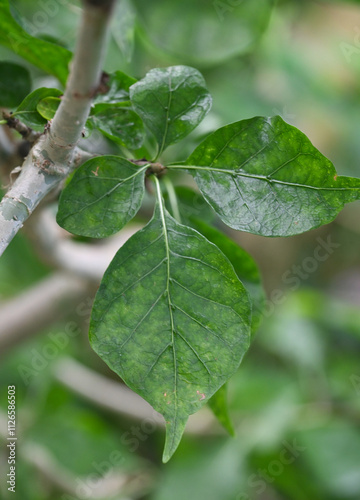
{"x": 177, "y": 307}
{"x": 180, "y": 302}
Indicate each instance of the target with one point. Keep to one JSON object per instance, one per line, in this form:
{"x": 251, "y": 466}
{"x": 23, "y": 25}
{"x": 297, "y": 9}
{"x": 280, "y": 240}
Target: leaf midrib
{"x": 268, "y": 179}
{"x": 166, "y": 120}
{"x": 167, "y": 257}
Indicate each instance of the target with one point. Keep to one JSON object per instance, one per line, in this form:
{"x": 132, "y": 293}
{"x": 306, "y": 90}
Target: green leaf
{"x": 204, "y": 33}
{"x": 171, "y": 319}
{"x": 120, "y": 125}
{"x": 244, "y": 266}
{"x": 15, "y": 84}
{"x": 265, "y": 177}
{"x": 47, "y": 56}
{"x": 123, "y": 28}
{"x": 196, "y": 213}
{"x": 118, "y": 94}
{"x": 28, "y": 112}
{"x": 172, "y": 102}
{"x": 47, "y": 107}
{"x": 103, "y": 195}
{"x": 219, "y": 406}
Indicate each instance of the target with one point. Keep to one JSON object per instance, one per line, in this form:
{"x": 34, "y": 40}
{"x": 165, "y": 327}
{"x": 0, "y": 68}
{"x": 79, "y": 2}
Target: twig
{"x": 26, "y": 132}
{"x": 52, "y": 157}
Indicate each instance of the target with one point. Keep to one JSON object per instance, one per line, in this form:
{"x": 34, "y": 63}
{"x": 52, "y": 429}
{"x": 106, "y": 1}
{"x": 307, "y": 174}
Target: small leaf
{"x": 219, "y": 406}
{"x": 123, "y": 28}
{"x": 120, "y": 125}
{"x": 265, "y": 177}
{"x": 15, "y": 84}
{"x": 47, "y": 56}
{"x": 172, "y": 102}
{"x": 103, "y": 195}
{"x": 118, "y": 94}
{"x": 47, "y": 107}
{"x": 28, "y": 112}
{"x": 171, "y": 319}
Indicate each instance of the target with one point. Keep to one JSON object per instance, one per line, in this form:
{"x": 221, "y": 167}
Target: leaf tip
{"x": 174, "y": 430}
{"x": 230, "y": 429}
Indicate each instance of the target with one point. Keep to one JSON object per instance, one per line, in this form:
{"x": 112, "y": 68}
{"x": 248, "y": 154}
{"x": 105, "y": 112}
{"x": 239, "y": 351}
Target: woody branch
{"x": 55, "y": 154}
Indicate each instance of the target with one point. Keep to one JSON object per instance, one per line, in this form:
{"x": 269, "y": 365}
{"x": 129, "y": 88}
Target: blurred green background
{"x": 295, "y": 400}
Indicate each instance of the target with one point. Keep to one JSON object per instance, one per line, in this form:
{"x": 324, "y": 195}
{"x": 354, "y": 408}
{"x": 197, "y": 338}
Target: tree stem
{"x": 52, "y": 157}
{"x": 84, "y": 78}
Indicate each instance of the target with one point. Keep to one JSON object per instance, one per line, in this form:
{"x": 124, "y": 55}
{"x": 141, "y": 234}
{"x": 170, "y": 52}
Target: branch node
{"x": 155, "y": 168}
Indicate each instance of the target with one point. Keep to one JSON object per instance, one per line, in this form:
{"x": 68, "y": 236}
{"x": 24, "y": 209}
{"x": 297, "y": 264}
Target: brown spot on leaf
{"x": 201, "y": 394}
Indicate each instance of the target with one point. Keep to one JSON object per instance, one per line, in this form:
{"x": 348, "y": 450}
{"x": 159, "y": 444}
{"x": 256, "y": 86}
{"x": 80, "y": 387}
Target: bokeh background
{"x": 295, "y": 401}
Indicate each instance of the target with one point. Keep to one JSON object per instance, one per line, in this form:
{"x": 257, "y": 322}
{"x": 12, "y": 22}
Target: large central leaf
{"x": 172, "y": 319}
{"x": 265, "y": 177}
{"x": 196, "y": 213}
